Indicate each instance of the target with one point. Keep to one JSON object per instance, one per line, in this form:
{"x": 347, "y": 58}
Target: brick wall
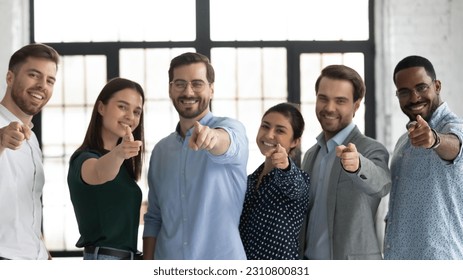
{"x": 430, "y": 28}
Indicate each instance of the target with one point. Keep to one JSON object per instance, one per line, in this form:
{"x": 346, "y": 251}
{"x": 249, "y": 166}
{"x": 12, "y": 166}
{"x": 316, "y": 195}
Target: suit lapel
{"x": 333, "y": 185}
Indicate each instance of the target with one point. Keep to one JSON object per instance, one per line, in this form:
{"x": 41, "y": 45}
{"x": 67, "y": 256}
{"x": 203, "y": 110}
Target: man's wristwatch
{"x": 437, "y": 141}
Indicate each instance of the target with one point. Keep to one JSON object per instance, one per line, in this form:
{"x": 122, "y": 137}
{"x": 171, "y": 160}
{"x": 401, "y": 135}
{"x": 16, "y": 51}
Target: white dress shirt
{"x": 21, "y": 183}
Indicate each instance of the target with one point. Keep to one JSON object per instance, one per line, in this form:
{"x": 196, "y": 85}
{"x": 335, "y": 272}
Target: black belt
{"x": 123, "y": 255}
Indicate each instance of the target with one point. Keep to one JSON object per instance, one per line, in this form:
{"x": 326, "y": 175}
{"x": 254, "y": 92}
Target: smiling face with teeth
{"x": 335, "y": 106}
{"x": 191, "y": 105}
{"x": 123, "y": 109}
{"x": 275, "y": 128}
{"x": 31, "y": 86}
{"x": 418, "y": 104}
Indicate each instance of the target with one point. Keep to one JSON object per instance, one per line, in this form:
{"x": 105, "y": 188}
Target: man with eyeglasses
{"x": 425, "y": 218}
{"x": 197, "y": 175}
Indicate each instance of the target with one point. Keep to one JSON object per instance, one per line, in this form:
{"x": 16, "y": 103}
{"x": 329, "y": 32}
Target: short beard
{"x": 427, "y": 118}
{"x": 190, "y": 114}
{"x": 31, "y": 111}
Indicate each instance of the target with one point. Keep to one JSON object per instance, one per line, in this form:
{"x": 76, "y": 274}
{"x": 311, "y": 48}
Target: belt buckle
{"x": 121, "y": 254}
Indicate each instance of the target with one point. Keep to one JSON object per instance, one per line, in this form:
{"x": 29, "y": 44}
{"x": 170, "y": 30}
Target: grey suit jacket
{"x": 353, "y": 199}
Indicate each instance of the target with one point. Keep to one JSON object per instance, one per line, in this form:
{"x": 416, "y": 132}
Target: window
{"x": 293, "y": 20}
{"x": 113, "y": 20}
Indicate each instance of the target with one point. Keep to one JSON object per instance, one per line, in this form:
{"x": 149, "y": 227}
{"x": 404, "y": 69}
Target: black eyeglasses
{"x": 420, "y": 89}
{"x": 196, "y": 85}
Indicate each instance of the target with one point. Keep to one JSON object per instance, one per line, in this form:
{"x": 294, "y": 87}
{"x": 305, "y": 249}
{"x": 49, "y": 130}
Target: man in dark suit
{"x": 349, "y": 174}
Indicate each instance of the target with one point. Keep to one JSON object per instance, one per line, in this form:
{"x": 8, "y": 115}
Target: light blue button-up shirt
{"x": 195, "y": 198}
{"x": 425, "y": 219}
{"x": 317, "y": 228}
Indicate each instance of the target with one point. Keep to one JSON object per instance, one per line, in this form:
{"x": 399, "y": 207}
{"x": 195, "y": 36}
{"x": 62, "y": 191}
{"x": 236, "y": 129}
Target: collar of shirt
{"x": 337, "y": 140}
{"x": 10, "y": 116}
{"x": 438, "y": 115}
{"x": 204, "y": 121}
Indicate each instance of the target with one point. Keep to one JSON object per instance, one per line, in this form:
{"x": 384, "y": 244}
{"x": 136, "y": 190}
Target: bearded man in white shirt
{"x": 30, "y": 79}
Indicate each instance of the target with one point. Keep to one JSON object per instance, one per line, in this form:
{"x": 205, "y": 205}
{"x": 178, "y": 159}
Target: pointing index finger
{"x": 350, "y": 148}
{"x": 22, "y": 128}
{"x": 411, "y": 125}
{"x": 421, "y": 121}
{"x": 198, "y": 127}
{"x": 128, "y": 134}
{"x": 26, "y": 130}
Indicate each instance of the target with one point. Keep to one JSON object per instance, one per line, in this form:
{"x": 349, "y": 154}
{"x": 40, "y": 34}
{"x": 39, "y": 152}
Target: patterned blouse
{"x": 425, "y": 219}
{"x": 273, "y": 213}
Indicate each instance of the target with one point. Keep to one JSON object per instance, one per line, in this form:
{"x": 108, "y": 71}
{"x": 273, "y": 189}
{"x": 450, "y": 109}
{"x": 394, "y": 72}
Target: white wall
{"x": 14, "y": 33}
{"x": 430, "y": 28}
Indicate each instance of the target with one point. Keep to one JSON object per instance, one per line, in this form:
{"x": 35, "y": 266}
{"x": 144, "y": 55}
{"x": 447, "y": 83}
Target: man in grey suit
{"x": 349, "y": 174}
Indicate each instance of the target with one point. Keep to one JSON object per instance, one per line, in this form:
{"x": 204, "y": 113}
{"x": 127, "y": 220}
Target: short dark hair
{"x": 415, "y": 61}
{"x": 290, "y": 111}
{"x": 342, "y": 72}
{"x": 190, "y": 58}
{"x": 33, "y": 50}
